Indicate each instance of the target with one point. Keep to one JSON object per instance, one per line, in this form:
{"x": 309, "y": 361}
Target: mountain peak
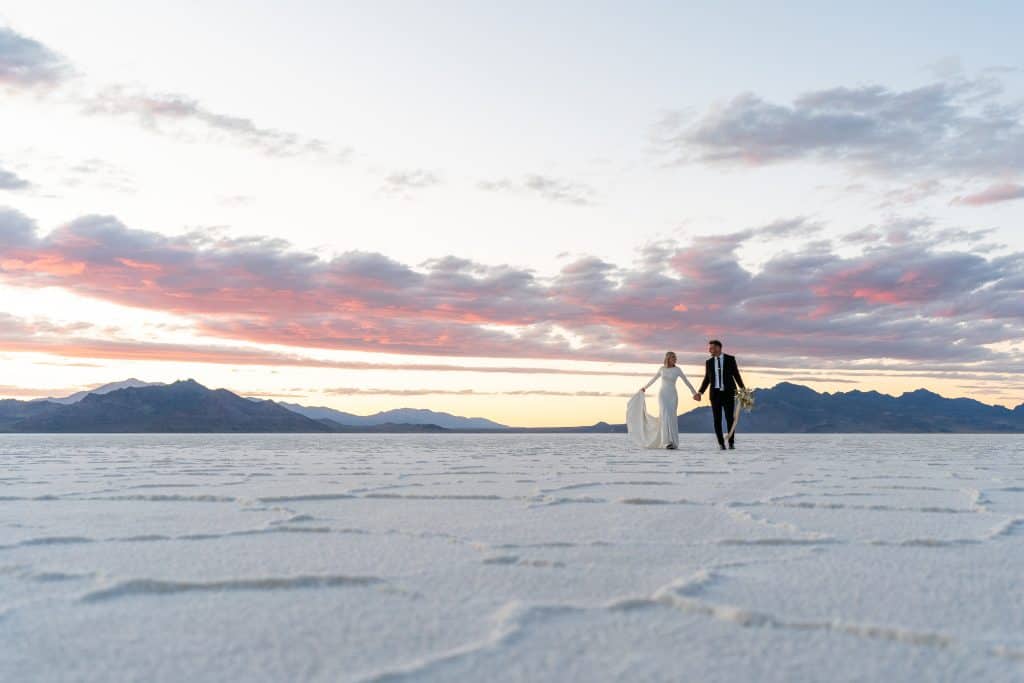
{"x": 921, "y": 393}
{"x": 790, "y": 387}
{"x": 183, "y": 406}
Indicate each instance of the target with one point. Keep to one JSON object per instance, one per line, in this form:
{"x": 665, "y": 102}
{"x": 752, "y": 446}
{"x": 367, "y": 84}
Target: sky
{"x": 510, "y": 211}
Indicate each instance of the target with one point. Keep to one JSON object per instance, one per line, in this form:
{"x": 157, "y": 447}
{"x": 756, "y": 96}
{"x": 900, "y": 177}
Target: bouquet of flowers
{"x": 745, "y": 398}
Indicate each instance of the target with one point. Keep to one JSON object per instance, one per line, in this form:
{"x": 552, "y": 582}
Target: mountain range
{"x": 187, "y": 406}
{"x": 788, "y": 407}
{"x": 398, "y": 416}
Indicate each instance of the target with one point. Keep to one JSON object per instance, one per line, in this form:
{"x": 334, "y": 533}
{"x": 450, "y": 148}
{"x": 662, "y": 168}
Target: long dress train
{"x": 647, "y": 430}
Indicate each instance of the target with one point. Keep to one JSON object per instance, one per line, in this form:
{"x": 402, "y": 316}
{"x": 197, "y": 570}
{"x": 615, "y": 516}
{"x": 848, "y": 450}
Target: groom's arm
{"x": 707, "y": 378}
{"x": 736, "y": 373}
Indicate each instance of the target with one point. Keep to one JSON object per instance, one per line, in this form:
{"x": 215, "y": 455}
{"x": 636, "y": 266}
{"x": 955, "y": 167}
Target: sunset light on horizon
{"x": 508, "y": 212}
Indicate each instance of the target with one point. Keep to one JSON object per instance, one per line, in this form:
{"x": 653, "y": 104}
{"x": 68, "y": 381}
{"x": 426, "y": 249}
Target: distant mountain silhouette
{"x": 130, "y": 383}
{"x": 406, "y": 416}
{"x": 187, "y": 406}
{"x": 184, "y": 406}
{"x": 793, "y": 408}
{"x": 386, "y": 428}
{"x": 790, "y": 407}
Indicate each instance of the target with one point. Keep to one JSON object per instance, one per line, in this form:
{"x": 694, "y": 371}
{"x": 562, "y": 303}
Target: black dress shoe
{"x": 670, "y": 447}
{"x": 722, "y": 446}
{"x": 732, "y": 447}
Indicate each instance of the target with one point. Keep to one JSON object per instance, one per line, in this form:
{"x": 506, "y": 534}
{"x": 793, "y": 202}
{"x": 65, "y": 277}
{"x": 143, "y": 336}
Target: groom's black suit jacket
{"x": 730, "y": 374}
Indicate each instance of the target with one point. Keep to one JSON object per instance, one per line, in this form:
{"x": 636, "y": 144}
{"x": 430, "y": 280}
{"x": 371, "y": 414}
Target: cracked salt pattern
{"x": 510, "y": 558}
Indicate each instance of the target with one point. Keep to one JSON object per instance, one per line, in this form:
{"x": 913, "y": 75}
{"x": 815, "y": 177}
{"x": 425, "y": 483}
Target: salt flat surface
{"x": 510, "y": 558}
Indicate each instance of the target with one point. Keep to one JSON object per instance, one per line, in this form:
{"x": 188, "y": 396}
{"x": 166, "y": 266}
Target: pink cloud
{"x": 73, "y": 340}
{"x": 1003, "y": 192}
{"x": 901, "y": 295}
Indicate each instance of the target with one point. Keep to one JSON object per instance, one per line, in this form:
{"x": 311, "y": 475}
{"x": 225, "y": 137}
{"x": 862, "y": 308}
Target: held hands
{"x": 696, "y": 396}
{"x": 643, "y": 390}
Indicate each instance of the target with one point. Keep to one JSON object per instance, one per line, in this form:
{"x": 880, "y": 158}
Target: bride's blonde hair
{"x": 672, "y": 355}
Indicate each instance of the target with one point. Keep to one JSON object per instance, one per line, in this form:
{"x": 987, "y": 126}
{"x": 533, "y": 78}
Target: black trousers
{"x": 723, "y": 402}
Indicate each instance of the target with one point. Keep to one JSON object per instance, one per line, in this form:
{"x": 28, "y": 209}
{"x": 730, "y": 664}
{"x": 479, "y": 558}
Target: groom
{"x": 722, "y": 373}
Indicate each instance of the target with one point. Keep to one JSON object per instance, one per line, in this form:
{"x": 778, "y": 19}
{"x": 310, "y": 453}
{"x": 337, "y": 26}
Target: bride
{"x": 662, "y": 431}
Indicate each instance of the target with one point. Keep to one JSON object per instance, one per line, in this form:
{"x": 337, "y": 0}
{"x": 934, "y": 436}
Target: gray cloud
{"x": 26, "y": 63}
{"x": 817, "y": 378}
{"x": 913, "y": 192}
{"x": 12, "y": 181}
{"x": 174, "y": 114}
{"x": 356, "y": 391}
{"x": 401, "y": 183}
{"x": 958, "y": 127}
{"x": 545, "y": 187}
{"x": 16, "y": 229}
{"x": 99, "y": 173}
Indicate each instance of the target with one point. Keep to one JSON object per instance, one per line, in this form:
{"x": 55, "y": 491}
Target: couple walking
{"x": 721, "y": 374}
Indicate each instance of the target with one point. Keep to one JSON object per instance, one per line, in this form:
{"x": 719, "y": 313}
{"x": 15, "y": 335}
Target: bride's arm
{"x": 686, "y": 381}
{"x": 653, "y": 380}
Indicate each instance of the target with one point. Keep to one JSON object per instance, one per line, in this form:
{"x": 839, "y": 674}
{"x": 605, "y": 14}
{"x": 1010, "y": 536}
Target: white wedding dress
{"x": 648, "y": 431}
